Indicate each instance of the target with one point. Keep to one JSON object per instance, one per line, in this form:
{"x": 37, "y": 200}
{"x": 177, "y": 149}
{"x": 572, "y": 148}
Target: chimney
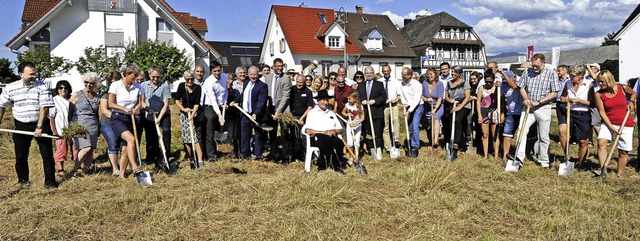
{"x": 358, "y": 9}
{"x": 302, "y": 5}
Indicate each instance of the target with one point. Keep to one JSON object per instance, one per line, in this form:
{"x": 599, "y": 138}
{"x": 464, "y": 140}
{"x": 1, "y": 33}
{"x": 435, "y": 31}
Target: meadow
{"x": 425, "y": 198}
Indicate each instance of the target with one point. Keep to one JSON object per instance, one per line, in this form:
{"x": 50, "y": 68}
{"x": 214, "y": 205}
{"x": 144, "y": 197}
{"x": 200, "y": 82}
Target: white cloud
{"x": 384, "y": 1}
{"x": 399, "y": 20}
{"x": 473, "y": 11}
{"x": 528, "y": 6}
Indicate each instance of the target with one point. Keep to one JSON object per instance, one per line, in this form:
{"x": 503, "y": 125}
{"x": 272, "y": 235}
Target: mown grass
{"x": 401, "y": 199}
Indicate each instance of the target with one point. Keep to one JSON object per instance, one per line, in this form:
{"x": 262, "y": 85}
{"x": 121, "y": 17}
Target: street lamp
{"x": 342, "y": 19}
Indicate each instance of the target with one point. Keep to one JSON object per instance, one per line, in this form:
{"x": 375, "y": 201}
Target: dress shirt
{"x": 391, "y": 87}
{"x": 26, "y": 100}
{"x": 246, "y": 97}
{"x": 582, "y": 93}
{"x": 214, "y": 92}
{"x": 322, "y": 120}
{"x": 411, "y": 94}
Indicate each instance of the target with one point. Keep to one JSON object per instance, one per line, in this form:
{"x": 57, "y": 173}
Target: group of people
{"x": 262, "y": 109}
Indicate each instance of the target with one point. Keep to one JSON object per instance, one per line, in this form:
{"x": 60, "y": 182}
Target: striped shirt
{"x": 26, "y": 100}
{"x": 539, "y": 85}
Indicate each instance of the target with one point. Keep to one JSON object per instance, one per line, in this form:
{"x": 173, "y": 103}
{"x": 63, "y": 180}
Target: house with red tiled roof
{"x": 301, "y": 34}
{"x": 68, "y": 27}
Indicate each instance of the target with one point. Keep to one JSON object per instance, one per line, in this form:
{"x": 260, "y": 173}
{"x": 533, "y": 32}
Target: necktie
{"x": 369, "y": 83}
{"x": 386, "y": 87}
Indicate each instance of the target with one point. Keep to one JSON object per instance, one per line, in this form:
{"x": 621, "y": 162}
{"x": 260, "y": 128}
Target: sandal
{"x": 78, "y": 174}
{"x": 137, "y": 172}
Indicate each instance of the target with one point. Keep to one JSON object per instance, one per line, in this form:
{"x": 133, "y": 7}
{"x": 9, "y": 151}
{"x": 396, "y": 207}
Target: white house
{"x": 67, "y": 27}
{"x": 628, "y": 38}
{"x": 301, "y": 34}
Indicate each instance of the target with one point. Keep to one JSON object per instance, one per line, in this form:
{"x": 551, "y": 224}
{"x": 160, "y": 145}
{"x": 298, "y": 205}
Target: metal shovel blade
{"x": 394, "y": 152}
{"x": 566, "y": 168}
{"x": 220, "y": 135}
{"x": 449, "y": 152}
{"x": 360, "y": 168}
{"x": 376, "y": 153}
{"x": 513, "y": 165}
{"x": 144, "y": 179}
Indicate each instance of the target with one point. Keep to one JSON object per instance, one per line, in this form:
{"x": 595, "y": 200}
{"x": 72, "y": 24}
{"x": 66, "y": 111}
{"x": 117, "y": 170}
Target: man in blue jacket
{"x": 253, "y": 100}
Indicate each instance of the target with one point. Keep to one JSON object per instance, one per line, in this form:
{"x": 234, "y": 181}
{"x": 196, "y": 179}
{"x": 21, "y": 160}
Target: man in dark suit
{"x": 279, "y": 88}
{"x": 253, "y": 100}
{"x": 372, "y": 93}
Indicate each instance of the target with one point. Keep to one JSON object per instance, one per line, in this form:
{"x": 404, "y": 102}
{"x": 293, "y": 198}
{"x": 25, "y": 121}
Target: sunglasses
{"x": 332, "y": 78}
{"x": 359, "y": 77}
{"x": 188, "y": 79}
{"x": 340, "y": 82}
{"x": 90, "y": 83}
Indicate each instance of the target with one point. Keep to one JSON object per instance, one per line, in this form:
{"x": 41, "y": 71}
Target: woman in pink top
{"x": 613, "y": 100}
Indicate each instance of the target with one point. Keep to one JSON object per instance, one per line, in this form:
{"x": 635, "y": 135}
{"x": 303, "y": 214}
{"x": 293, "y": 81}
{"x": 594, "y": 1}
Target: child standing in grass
{"x": 354, "y": 111}
{"x": 59, "y": 116}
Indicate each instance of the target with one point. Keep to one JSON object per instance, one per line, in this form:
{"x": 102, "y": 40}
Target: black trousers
{"x": 154, "y": 152}
{"x": 330, "y": 151}
{"x": 378, "y": 126}
{"x": 232, "y": 126}
{"x": 212, "y": 125}
{"x": 292, "y": 145}
{"x": 22, "y": 143}
{"x": 461, "y": 124}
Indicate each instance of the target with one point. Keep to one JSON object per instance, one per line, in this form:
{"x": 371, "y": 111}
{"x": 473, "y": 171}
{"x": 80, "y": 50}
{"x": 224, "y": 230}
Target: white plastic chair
{"x": 310, "y": 150}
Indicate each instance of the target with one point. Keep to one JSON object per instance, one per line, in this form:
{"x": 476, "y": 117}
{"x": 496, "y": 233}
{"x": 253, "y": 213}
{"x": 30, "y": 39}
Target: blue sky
{"x": 504, "y": 25}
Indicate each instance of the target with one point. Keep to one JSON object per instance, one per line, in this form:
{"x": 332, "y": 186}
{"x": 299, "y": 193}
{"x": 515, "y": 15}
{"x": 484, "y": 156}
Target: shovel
{"x": 566, "y": 168}
{"x": 393, "y": 152}
{"x": 221, "y": 135}
{"x": 434, "y": 138}
{"x": 603, "y": 169}
{"x": 375, "y": 152}
{"x": 263, "y": 127}
{"x": 143, "y": 178}
{"x": 28, "y": 133}
{"x": 196, "y": 162}
{"x": 357, "y": 163}
{"x": 513, "y": 164}
{"x": 406, "y": 128}
{"x": 449, "y": 146}
{"x": 162, "y": 147}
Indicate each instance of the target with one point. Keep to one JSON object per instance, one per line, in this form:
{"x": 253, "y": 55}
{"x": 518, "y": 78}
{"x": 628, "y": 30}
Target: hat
{"x": 322, "y": 95}
{"x": 315, "y": 62}
{"x": 510, "y": 73}
{"x": 524, "y": 65}
{"x": 291, "y": 71}
{"x": 595, "y": 65}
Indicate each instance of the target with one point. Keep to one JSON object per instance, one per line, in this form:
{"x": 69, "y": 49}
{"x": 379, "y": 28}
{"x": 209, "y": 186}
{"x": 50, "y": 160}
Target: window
{"x": 245, "y": 61}
{"x": 476, "y": 54}
{"x": 447, "y": 54}
{"x": 463, "y": 34}
{"x": 322, "y": 17}
{"x": 163, "y": 26}
{"x": 334, "y": 41}
{"x": 365, "y": 64}
{"x": 390, "y": 42}
{"x": 461, "y": 55}
{"x": 270, "y": 49}
{"x": 365, "y": 19}
{"x": 114, "y": 34}
{"x": 447, "y": 33}
{"x": 398, "y": 70}
{"x": 224, "y": 61}
{"x": 283, "y": 47}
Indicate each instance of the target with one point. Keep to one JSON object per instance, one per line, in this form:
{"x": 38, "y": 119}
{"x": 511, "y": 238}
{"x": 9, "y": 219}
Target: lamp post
{"x": 342, "y": 19}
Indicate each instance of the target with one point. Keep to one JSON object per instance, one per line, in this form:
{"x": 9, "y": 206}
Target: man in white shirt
{"x": 392, "y": 88}
{"x": 214, "y": 95}
{"x": 342, "y": 71}
{"x": 324, "y": 128}
{"x": 411, "y": 96}
{"x": 31, "y": 100}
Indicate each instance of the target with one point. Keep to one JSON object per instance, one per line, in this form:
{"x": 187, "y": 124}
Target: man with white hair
{"x": 252, "y": 100}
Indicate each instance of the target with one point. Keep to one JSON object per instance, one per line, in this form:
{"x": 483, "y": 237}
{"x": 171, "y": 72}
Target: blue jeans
{"x": 414, "y": 123}
{"x": 111, "y": 139}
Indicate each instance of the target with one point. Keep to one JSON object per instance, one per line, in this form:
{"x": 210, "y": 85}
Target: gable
{"x": 378, "y": 27}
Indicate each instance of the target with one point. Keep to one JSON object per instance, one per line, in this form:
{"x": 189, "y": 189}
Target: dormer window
{"x": 365, "y": 19}
{"x": 323, "y": 18}
{"x": 334, "y": 42}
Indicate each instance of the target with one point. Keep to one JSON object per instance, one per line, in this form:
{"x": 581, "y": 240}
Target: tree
{"x": 6, "y": 73}
{"x": 608, "y": 40}
{"x": 46, "y": 64}
{"x": 171, "y": 59}
{"x": 96, "y": 60}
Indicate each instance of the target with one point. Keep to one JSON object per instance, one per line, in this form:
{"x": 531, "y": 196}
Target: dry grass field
{"x": 402, "y": 199}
